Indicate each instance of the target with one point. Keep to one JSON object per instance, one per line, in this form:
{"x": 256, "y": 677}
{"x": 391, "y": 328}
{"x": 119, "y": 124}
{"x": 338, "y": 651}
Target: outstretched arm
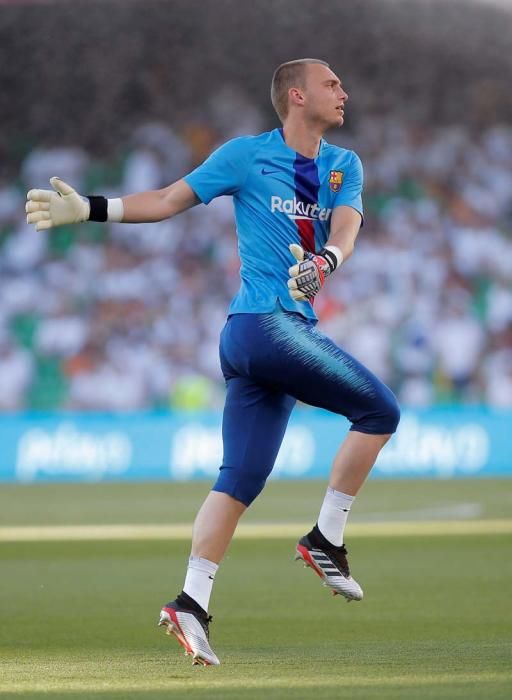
{"x": 63, "y": 205}
{"x": 157, "y": 205}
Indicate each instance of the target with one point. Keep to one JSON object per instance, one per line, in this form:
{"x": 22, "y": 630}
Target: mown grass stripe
{"x": 213, "y": 682}
{"x": 180, "y": 531}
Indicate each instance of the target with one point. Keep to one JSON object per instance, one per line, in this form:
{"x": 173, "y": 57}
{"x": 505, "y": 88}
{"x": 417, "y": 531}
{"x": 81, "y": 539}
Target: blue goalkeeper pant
{"x": 271, "y": 360}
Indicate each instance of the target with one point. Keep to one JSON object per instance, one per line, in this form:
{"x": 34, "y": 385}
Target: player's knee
{"x": 382, "y": 418}
{"x": 392, "y": 412}
{"x": 245, "y": 489}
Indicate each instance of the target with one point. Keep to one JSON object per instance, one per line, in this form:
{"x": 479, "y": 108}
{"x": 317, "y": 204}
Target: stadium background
{"x": 108, "y": 353}
{"x": 99, "y": 318}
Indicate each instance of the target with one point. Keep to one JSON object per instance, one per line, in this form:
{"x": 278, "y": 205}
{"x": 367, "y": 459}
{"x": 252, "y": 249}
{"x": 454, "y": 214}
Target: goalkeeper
{"x": 298, "y": 211}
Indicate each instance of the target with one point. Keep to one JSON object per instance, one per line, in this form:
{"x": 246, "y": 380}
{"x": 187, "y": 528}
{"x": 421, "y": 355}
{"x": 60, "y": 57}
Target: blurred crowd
{"x": 122, "y": 317}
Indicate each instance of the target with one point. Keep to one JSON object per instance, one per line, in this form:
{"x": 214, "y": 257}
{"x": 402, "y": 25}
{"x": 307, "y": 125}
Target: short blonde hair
{"x": 288, "y": 75}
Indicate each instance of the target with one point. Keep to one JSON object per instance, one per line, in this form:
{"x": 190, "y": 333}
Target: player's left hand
{"x": 308, "y": 276}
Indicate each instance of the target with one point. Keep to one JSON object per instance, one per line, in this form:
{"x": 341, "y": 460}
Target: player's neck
{"x": 302, "y": 139}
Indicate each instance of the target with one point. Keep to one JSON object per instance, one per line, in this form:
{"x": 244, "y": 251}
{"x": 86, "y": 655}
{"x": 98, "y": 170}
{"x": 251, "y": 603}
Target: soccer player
{"x": 297, "y": 200}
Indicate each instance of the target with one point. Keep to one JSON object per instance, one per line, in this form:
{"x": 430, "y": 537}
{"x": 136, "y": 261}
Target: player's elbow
{"x": 167, "y": 204}
{"x": 177, "y": 198}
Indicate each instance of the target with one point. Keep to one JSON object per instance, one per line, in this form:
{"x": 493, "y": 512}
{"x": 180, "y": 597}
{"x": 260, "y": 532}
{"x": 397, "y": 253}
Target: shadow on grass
{"x": 493, "y": 690}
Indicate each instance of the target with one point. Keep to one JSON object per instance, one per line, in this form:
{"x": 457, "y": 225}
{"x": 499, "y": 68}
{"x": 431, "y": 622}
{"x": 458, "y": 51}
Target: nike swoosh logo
{"x": 211, "y": 577}
{"x": 264, "y": 171}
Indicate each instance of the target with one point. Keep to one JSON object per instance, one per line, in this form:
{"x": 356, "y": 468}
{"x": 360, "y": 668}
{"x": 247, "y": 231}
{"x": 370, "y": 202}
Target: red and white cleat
{"x": 191, "y": 629}
{"x": 330, "y": 563}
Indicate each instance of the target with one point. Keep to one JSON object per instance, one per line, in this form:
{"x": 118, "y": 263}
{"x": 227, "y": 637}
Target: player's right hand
{"x": 308, "y": 275}
{"x": 47, "y": 208}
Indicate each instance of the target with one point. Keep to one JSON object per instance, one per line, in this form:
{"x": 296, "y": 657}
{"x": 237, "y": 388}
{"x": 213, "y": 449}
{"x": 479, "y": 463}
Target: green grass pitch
{"x": 78, "y": 618}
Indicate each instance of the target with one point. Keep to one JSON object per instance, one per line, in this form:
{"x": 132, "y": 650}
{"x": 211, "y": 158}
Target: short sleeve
{"x": 224, "y": 171}
{"x": 352, "y": 186}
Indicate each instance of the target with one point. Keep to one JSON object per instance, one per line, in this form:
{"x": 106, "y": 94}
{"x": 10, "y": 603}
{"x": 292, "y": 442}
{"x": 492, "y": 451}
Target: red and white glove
{"x": 308, "y": 276}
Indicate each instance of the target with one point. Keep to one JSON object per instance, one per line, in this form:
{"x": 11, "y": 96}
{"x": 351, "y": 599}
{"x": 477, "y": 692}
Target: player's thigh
{"x": 253, "y": 426}
{"x": 288, "y": 351}
{"x": 336, "y": 381}
{"x": 320, "y": 373}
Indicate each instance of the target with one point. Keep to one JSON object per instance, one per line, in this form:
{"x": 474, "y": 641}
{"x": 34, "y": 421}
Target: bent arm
{"x": 345, "y": 225}
{"x": 157, "y": 205}
{"x": 308, "y": 276}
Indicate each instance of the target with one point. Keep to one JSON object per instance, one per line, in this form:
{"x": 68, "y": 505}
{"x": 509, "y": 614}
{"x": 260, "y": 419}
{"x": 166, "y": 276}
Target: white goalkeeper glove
{"x": 308, "y": 276}
{"x": 63, "y": 206}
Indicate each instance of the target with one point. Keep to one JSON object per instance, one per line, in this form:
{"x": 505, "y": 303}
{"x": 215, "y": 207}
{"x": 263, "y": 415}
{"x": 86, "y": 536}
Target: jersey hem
{"x": 276, "y": 306}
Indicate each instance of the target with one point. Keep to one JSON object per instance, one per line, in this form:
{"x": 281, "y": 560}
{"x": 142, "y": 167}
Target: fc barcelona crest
{"x": 335, "y": 180}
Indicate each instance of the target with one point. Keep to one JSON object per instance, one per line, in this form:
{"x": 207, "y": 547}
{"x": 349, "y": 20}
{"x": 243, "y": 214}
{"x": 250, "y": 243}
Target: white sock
{"x": 199, "y": 580}
{"x": 333, "y": 515}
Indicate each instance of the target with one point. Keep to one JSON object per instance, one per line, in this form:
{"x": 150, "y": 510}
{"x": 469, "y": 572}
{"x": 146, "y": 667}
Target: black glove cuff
{"x": 332, "y": 260}
{"x": 99, "y": 208}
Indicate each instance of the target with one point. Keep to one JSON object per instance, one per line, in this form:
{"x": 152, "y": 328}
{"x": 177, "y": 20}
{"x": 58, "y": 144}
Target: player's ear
{"x": 296, "y": 96}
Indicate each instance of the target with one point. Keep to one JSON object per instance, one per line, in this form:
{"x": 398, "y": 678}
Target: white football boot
{"x": 330, "y": 563}
{"x": 184, "y": 619}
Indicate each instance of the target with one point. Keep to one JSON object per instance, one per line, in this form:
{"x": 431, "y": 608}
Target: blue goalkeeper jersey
{"x": 280, "y": 197}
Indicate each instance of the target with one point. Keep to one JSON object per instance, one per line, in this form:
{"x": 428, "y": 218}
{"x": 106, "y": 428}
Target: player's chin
{"x": 339, "y": 119}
